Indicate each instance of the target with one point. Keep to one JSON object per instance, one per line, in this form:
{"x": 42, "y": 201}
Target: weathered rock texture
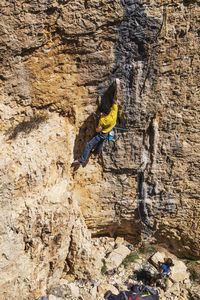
{"x": 57, "y": 58}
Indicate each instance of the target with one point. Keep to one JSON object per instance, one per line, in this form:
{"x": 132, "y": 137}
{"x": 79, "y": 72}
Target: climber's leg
{"x": 99, "y": 147}
{"x": 88, "y": 147}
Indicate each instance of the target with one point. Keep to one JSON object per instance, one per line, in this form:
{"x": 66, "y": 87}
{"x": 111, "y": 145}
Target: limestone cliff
{"x": 58, "y": 60}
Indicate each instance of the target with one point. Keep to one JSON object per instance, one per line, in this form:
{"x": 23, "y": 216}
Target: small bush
{"x": 104, "y": 267}
{"x": 187, "y": 261}
{"x": 130, "y": 258}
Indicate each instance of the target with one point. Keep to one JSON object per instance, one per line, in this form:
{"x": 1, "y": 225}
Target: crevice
{"x": 86, "y": 4}
{"x": 90, "y": 83}
{"x": 51, "y": 269}
{"x": 89, "y": 33}
{"x": 51, "y": 10}
{"x": 189, "y": 2}
{"x": 68, "y": 267}
{"x": 121, "y": 171}
{"x": 45, "y": 106}
{"x": 64, "y": 1}
{"x": 28, "y": 243}
{"x": 57, "y": 239}
{"x": 151, "y": 134}
{"x": 3, "y": 78}
{"x": 61, "y": 166}
{"x": 28, "y": 51}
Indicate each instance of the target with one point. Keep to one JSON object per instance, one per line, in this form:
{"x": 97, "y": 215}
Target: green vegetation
{"x": 66, "y": 295}
{"x": 189, "y": 261}
{"x": 104, "y": 268}
{"x": 130, "y": 258}
{"x": 192, "y": 261}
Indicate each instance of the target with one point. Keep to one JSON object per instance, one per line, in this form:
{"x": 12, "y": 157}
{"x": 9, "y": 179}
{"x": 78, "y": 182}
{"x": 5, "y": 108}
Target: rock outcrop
{"x": 58, "y": 60}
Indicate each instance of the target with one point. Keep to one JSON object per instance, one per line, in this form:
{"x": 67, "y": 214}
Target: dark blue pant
{"x": 98, "y": 140}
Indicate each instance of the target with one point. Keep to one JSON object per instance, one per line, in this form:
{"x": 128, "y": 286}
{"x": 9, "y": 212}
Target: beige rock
{"x": 174, "y": 289}
{"x": 119, "y": 241}
{"x": 104, "y": 287}
{"x": 158, "y": 256}
{"x": 116, "y": 257}
{"x": 179, "y": 271}
{"x": 52, "y": 297}
{"x": 74, "y": 290}
{"x": 93, "y": 292}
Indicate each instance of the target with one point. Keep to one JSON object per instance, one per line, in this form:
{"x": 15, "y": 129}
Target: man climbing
{"x": 107, "y": 121}
{"x": 165, "y": 271}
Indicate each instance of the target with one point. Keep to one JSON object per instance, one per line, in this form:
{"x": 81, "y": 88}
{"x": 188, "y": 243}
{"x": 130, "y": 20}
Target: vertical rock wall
{"x": 58, "y": 58}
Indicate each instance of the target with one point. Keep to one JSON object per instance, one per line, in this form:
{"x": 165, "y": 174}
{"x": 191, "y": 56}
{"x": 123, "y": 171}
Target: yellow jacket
{"x": 109, "y": 121}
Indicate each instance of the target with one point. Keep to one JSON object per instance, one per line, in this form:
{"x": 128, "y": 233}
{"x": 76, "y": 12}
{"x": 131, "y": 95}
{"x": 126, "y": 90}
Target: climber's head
{"x": 169, "y": 262}
{"x": 104, "y": 108}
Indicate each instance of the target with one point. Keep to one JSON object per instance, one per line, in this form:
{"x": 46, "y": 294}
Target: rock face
{"x": 59, "y": 58}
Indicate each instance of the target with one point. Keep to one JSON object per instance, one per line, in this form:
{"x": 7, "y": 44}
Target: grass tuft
{"x": 104, "y": 267}
{"x": 130, "y": 258}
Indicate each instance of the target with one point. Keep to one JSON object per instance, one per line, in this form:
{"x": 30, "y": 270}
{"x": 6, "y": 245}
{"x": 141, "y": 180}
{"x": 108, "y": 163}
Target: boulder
{"x": 104, "y": 287}
{"x": 158, "y": 256}
{"x": 174, "y": 289}
{"x": 119, "y": 241}
{"x": 74, "y": 290}
{"x": 116, "y": 257}
{"x": 93, "y": 292}
{"x": 178, "y": 271}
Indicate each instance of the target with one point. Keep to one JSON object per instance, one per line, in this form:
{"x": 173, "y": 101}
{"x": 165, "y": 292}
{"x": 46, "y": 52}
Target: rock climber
{"x": 165, "y": 271}
{"x": 107, "y": 120}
